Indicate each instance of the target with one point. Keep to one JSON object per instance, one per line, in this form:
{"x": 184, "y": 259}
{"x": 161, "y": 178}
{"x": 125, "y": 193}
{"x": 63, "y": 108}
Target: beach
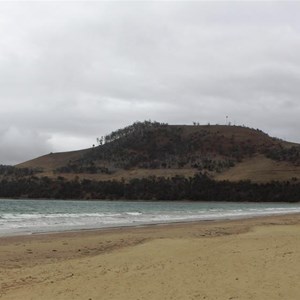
{"x": 255, "y": 258}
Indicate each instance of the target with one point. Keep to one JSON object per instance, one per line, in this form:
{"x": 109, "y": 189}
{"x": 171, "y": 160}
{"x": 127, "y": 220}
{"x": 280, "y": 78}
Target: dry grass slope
{"x": 51, "y": 161}
{"x": 260, "y": 169}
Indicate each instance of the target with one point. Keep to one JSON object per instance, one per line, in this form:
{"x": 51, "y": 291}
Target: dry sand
{"x": 243, "y": 259}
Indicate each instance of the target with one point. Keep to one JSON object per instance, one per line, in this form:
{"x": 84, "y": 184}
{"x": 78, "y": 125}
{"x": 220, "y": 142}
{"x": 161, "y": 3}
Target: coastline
{"x": 27, "y": 217}
{"x": 151, "y": 262}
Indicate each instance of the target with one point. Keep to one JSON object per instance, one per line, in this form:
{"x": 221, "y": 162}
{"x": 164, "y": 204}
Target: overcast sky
{"x": 73, "y": 71}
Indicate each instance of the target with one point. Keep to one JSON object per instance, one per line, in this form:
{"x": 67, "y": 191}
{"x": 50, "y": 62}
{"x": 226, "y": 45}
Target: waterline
{"x": 42, "y": 216}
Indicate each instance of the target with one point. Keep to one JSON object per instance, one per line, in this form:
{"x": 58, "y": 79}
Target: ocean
{"x": 21, "y": 217}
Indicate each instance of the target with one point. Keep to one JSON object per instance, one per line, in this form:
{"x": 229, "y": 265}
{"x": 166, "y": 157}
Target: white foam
{"x": 117, "y": 214}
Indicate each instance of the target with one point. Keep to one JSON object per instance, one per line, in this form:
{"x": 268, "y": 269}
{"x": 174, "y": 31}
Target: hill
{"x": 154, "y": 149}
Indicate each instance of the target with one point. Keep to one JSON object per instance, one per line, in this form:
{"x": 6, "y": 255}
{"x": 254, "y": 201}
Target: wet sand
{"x": 255, "y": 258}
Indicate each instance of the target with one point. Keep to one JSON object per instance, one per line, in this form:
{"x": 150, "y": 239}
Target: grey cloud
{"x": 72, "y": 71}
{"x": 18, "y": 144}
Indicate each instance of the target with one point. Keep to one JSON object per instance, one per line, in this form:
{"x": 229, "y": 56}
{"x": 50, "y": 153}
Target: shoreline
{"x": 145, "y": 225}
{"x": 189, "y": 260}
{"x": 247, "y": 222}
{"x": 60, "y": 218}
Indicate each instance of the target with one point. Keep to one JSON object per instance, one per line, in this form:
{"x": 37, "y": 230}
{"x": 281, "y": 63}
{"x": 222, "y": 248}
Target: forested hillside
{"x": 150, "y": 148}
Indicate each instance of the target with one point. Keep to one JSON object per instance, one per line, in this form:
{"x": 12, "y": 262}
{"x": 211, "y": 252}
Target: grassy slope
{"x": 52, "y": 161}
{"x": 260, "y": 169}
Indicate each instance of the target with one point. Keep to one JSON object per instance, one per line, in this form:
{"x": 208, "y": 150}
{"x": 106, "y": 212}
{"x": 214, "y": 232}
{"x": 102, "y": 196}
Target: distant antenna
{"x": 226, "y": 120}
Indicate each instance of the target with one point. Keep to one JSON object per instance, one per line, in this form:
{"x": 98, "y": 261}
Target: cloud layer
{"x": 73, "y": 71}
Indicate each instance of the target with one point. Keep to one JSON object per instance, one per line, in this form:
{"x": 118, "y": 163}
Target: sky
{"x": 73, "y": 71}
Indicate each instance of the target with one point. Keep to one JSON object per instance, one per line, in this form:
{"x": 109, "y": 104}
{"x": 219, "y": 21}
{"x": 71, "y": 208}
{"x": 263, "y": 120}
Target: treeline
{"x": 18, "y": 172}
{"x": 280, "y": 153}
{"x": 135, "y": 128}
{"x": 74, "y": 168}
{"x": 197, "y": 188}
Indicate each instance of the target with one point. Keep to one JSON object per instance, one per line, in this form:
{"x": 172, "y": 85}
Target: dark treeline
{"x": 135, "y": 128}
{"x": 279, "y": 153}
{"x": 197, "y": 188}
{"x": 14, "y": 171}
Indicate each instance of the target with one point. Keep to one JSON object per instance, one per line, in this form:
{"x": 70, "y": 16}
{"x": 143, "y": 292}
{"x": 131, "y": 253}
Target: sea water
{"x": 19, "y": 217}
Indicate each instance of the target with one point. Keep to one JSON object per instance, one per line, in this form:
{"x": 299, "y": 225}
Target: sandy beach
{"x": 255, "y": 258}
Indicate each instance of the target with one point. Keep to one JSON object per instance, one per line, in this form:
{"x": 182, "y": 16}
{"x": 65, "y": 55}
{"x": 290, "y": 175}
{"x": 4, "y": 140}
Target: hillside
{"x": 153, "y": 149}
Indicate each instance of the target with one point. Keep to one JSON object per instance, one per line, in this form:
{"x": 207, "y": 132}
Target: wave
{"x": 45, "y": 216}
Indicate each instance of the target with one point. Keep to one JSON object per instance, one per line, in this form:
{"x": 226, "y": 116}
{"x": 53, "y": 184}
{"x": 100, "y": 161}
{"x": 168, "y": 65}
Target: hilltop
{"x": 155, "y": 149}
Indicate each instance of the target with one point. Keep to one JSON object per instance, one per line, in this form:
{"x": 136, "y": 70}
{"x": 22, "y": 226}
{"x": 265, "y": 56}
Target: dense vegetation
{"x": 197, "y": 188}
{"x": 17, "y": 172}
{"x": 280, "y": 153}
